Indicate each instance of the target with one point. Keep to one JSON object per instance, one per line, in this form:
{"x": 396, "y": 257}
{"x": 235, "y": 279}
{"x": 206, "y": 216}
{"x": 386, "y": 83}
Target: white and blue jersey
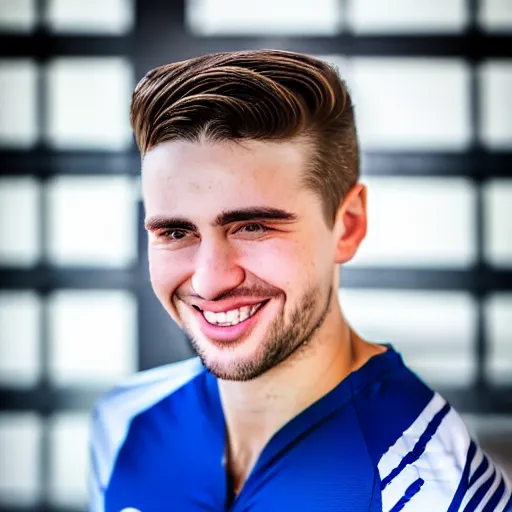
{"x": 380, "y": 441}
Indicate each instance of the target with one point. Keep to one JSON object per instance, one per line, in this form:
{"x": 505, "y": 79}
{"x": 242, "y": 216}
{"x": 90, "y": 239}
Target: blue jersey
{"x": 380, "y": 441}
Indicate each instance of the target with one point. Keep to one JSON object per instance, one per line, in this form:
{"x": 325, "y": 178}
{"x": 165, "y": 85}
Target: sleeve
{"x": 96, "y": 447}
{"x": 436, "y": 465}
{"x": 483, "y": 487}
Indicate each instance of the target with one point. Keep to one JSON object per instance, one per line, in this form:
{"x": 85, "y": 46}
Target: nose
{"x": 216, "y": 270}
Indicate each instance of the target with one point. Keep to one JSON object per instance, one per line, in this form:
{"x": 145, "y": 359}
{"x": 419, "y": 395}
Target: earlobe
{"x": 352, "y": 221}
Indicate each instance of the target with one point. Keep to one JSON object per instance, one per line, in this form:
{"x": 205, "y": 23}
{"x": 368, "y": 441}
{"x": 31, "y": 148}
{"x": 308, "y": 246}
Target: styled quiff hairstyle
{"x": 266, "y": 95}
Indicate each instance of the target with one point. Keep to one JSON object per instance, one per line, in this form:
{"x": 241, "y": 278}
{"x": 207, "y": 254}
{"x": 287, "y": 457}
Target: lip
{"x": 231, "y": 333}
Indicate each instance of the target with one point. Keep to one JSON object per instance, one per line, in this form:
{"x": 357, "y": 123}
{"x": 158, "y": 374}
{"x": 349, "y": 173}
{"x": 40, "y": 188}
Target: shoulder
{"x": 424, "y": 454}
{"x": 388, "y": 398}
{"x": 435, "y": 465}
{"x": 116, "y": 409}
{"x": 145, "y": 388}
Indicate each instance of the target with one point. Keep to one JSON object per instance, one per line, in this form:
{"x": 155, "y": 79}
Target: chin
{"x": 235, "y": 362}
{"x": 236, "y": 371}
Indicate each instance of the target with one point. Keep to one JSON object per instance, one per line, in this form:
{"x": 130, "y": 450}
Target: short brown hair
{"x": 262, "y": 95}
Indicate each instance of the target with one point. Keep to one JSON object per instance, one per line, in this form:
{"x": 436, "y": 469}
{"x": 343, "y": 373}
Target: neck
{"x": 257, "y": 409}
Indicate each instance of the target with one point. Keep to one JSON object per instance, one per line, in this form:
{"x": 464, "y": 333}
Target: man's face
{"x": 232, "y": 230}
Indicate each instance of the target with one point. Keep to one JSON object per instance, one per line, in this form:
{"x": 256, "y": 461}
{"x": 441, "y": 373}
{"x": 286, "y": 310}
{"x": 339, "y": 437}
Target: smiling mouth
{"x": 233, "y": 317}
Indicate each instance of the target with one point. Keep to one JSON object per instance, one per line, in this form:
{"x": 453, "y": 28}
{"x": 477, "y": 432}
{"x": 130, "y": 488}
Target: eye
{"x": 174, "y": 234}
{"x": 254, "y": 228}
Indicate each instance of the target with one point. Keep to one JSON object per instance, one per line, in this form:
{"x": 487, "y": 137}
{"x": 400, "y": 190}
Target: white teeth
{"x": 211, "y": 317}
{"x": 245, "y": 312}
{"x": 232, "y": 317}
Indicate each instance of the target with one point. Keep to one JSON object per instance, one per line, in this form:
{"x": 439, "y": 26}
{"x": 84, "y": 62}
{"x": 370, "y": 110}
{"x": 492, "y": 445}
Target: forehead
{"x": 181, "y": 174}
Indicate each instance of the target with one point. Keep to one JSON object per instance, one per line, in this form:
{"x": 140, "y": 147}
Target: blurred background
{"x": 432, "y": 83}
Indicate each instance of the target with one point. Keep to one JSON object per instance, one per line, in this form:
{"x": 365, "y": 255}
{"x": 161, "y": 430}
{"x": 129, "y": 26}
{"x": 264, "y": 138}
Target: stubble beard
{"x": 281, "y": 341}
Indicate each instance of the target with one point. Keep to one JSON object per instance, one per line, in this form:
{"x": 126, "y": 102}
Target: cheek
{"x": 166, "y": 272}
{"x": 284, "y": 265}
{"x": 307, "y": 263}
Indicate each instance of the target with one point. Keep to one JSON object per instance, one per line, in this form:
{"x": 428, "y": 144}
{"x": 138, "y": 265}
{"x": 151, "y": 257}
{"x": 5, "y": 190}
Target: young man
{"x": 250, "y": 172}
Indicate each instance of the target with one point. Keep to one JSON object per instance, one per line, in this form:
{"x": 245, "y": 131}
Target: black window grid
{"x": 160, "y": 36}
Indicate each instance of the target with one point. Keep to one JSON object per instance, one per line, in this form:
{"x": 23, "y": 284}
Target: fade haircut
{"x": 266, "y": 95}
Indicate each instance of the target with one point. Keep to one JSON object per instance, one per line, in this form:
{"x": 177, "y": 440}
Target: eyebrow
{"x": 223, "y": 219}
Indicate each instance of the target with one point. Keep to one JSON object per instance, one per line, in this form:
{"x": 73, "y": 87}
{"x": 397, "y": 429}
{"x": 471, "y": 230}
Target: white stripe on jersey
{"x": 478, "y": 459}
{"x": 490, "y": 493}
{"x": 506, "y": 497}
{"x": 493, "y": 474}
{"x": 406, "y": 442}
{"x": 440, "y": 465}
{"x": 116, "y": 410}
{"x": 489, "y": 473}
{"x": 396, "y": 490}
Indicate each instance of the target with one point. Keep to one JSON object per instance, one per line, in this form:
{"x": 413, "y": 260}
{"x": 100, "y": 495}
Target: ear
{"x": 351, "y": 224}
